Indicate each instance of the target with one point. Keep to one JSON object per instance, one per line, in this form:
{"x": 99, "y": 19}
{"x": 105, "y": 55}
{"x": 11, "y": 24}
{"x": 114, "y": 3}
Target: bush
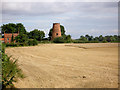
{"x": 78, "y": 41}
{"x": 10, "y": 71}
{"x": 11, "y": 45}
{"x": 58, "y": 40}
{"x": 68, "y": 41}
{"x": 104, "y": 41}
{"x": 32, "y": 42}
{"x": 35, "y": 42}
{"x": 45, "y": 41}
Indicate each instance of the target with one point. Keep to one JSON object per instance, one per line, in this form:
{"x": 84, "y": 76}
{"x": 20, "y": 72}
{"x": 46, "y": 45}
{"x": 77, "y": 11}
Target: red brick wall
{"x": 8, "y": 36}
{"x": 56, "y": 31}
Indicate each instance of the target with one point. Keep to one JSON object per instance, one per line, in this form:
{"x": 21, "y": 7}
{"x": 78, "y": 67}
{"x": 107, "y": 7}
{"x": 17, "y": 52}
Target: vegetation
{"x": 58, "y": 40}
{"x": 11, "y": 45}
{"x": 103, "y": 39}
{"x": 36, "y": 34}
{"x": 32, "y": 42}
{"x": 13, "y": 28}
{"x": 24, "y": 38}
{"x": 12, "y": 39}
{"x": 10, "y": 70}
{"x": 21, "y": 39}
{"x": 63, "y": 39}
{"x": 0, "y": 65}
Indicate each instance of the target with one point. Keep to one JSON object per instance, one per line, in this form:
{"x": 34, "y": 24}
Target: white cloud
{"x": 51, "y": 8}
{"x": 30, "y": 8}
{"x": 60, "y": 0}
{"x": 78, "y": 18}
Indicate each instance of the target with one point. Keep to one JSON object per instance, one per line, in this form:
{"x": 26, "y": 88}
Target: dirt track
{"x": 67, "y": 65}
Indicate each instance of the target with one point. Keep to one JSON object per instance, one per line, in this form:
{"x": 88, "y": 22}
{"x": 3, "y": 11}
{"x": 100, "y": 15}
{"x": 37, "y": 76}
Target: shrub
{"x": 35, "y": 42}
{"x": 32, "y": 42}
{"x": 45, "y": 41}
{"x": 11, "y": 45}
{"x": 58, "y": 40}
{"x": 10, "y": 71}
{"x": 68, "y": 41}
{"x": 78, "y": 41}
{"x": 104, "y": 41}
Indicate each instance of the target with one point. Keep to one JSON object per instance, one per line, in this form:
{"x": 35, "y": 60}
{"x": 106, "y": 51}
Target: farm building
{"x": 8, "y": 36}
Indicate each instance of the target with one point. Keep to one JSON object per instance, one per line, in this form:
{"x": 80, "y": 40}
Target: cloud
{"x": 53, "y": 8}
{"x": 37, "y": 9}
{"x": 77, "y": 17}
{"x": 60, "y": 0}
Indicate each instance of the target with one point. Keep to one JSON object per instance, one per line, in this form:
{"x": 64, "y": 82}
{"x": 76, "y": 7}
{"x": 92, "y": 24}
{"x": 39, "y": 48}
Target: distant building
{"x": 8, "y": 36}
{"x": 56, "y": 31}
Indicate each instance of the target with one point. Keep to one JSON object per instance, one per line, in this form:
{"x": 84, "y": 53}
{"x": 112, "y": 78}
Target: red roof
{"x": 1, "y": 39}
{"x": 10, "y": 34}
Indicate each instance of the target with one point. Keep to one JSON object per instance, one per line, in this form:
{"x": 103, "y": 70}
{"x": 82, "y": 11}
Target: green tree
{"x": 21, "y": 39}
{"x": 13, "y": 28}
{"x": 20, "y": 28}
{"x": 8, "y": 28}
{"x": 100, "y": 38}
{"x": 90, "y": 38}
{"x": 68, "y": 39}
{"x": 36, "y": 34}
{"x": 12, "y": 38}
{"x": 116, "y": 37}
{"x": 59, "y": 40}
{"x": 32, "y": 42}
{"x": 82, "y": 38}
{"x": 87, "y": 36}
{"x": 108, "y": 38}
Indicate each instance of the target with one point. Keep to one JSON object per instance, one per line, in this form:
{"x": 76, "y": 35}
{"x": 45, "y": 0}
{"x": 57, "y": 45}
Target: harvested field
{"x": 91, "y": 65}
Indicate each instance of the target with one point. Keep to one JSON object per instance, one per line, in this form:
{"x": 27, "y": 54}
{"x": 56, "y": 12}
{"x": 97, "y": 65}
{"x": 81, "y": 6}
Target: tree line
{"x": 35, "y": 36}
{"x": 24, "y": 37}
{"x": 102, "y": 39}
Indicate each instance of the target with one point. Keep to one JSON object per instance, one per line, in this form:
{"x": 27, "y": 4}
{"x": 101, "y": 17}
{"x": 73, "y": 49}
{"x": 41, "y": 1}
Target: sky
{"x": 78, "y": 18}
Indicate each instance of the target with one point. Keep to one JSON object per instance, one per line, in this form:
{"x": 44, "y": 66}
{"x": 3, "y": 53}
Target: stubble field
{"x": 91, "y": 65}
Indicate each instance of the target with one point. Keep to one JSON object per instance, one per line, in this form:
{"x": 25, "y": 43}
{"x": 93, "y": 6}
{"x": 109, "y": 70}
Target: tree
{"x": 116, "y": 37}
{"x": 58, "y": 40}
{"x": 13, "y": 28}
{"x": 36, "y": 34}
{"x": 12, "y": 38}
{"x": 8, "y": 28}
{"x": 90, "y": 38}
{"x": 21, "y": 39}
{"x": 32, "y": 42}
{"x": 68, "y": 37}
{"x": 62, "y": 31}
{"x": 100, "y": 38}
{"x": 82, "y": 38}
{"x": 112, "y": 38}
{"x": 87, "y": 36}
{"x": 20, "y": 28}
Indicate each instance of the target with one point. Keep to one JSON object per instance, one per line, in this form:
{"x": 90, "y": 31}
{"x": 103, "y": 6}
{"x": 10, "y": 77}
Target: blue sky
{"x": 78, "y": 18}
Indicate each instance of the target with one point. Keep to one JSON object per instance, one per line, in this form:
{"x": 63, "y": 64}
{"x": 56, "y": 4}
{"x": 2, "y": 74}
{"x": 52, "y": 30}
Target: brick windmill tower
{"x": 56, "y": 31}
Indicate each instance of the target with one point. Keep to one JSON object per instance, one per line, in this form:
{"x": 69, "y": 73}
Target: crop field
{"x": 89, "y": 65}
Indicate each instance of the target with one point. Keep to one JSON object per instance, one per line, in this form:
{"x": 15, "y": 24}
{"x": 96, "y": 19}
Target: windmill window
{"x": 8, "y": 39}
{"x": 56, "y": 33}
